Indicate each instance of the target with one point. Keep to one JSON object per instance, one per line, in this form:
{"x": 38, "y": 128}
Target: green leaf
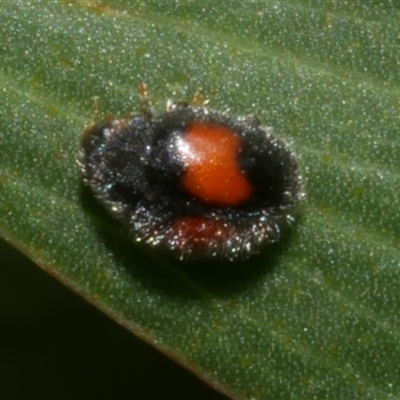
{"x": 313, "y": 317}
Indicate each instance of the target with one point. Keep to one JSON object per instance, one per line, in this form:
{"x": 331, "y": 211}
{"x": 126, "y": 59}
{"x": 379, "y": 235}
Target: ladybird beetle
{"x": 192, "y": 180}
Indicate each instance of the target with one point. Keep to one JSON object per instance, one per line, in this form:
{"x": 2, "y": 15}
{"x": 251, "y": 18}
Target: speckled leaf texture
{"x": 315, "y": 316}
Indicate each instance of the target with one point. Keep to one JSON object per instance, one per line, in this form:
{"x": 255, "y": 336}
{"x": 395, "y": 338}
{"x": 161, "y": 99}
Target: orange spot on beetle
{"x": 209, "y": 152}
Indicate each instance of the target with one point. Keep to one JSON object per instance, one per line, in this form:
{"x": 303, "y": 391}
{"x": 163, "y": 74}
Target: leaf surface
{"x": 315, "y": 316}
